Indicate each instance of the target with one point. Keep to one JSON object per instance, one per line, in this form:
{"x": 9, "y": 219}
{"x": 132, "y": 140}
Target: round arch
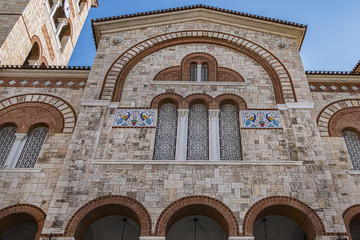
{"x": 285, "y": 206}
{"x": 349, "y": 215}
{"x": 197, "y": 205}
{"x": 116, "y": 75}
{"x": 21, "y": 213}
{"x": 337, "y": 116}
{"x": 167, "y": 97}
{"x": 199, "y": 98}
{"x": 29, "y": 109}
{"x": 230, "y": 98}
{"x": 107, "y": 206}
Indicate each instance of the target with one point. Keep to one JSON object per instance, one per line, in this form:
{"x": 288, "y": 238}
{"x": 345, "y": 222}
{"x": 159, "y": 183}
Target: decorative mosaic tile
{"x": 260, "y": 119}
{"x": 135, "y": 118}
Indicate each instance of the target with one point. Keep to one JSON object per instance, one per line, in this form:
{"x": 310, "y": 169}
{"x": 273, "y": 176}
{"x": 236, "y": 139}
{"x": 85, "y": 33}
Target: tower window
{"x": 32, "y": 148}
{"x": 7, "y": 138}
{"x": 33, "y": 56}
{"x": 353, "y": 145}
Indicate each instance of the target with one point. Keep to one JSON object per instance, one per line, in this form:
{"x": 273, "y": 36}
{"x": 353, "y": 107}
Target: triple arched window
{"x": 192, "y": 134}
{"x": 20, "y": 150}
{"x": 352, "y": 142}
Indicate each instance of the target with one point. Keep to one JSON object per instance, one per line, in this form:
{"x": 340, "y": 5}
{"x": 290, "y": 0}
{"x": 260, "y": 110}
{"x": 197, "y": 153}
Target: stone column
{"x": 241, "y": 238}
{"x": 198, "y": 77}
{"x": 182, "y": 131}
{"x": 214, "y": 141}
{"x": 19, "y": 143}
{"x": 152, "y": 238}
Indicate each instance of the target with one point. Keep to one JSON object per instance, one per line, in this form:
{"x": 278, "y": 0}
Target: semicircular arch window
{"x": 7, "y": 139}
{"x": 353, "y": 145}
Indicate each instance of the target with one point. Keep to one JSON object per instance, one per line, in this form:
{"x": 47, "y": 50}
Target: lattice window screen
{"x": 204, "y": 73}
{"x": 353, "y": 145}
{"x": 193, "y": 72}
{"x": 165, "y": 140}
{"x": 230, "y": 147}
{"x": 198, "y": 133}
{"x": 7, "y": 138}
{"x": 32, "y": 148}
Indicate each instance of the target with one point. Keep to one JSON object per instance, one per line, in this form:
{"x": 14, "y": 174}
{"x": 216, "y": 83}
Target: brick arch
{"x": 107, "y": 206}
{"x": 239, "y": 102}
{"x": 116, "y": 75}
{"x": 165, "y": 98}
{"x": 199, "y": 98}
{"x": 285, "y": 206}
{"x": 197, "y": 205}
{"x": 36, "y": 40}
{"x": 29, "y": 109}
{"x": 351, "y": 214}
{"x": 199, "y": 58}
{"x": 339, "y": 115}
{"x": 21, "y": 213}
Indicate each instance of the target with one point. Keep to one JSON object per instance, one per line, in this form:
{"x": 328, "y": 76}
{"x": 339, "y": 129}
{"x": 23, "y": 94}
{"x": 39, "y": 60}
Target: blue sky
{"x": 332, "y": 41}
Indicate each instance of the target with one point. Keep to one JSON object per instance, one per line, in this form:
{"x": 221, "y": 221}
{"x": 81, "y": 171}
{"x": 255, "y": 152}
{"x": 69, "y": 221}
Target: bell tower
{"x": 41, "y": 32}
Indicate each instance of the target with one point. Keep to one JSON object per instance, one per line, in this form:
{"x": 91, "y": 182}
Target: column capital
{"x": 183, "y": 113}
{"x": 20, "y": 136}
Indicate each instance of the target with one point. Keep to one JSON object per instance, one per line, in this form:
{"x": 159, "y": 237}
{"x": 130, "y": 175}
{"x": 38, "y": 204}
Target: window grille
{"x": 353, "y": 145}
{"x": 193, "y": 72}
{"x": 230, "y": 147}
{"x": 7, "y": 138}
{"x": 165, "y": 139}
{"x": 32, "y": 148}
{"x": 198, "y": 133}
{"x": 204, "y": 73}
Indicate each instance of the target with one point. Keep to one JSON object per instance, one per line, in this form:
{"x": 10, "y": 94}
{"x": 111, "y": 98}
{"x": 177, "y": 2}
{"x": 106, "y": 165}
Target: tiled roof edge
{"x": 331, "y": 73}
{"x": 46, "y": 68}
{"x": 356, "y": 66}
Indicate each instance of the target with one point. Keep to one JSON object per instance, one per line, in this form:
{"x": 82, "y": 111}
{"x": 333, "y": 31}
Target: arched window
{"x": 204, "y": 72}
{"x": 165, "y": 140}
{"x": 198, "y": 133}
{"x": 7, "y": 138}
{"x": 230, "y": 147}
{"x": 193, "y": 72}
{"x": 353, "y": 145}
{"x": 33, "y": 57}
{"x": 32, "y": 147}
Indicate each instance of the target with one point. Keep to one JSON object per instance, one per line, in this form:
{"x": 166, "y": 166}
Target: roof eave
{"x": 141, "y": 20}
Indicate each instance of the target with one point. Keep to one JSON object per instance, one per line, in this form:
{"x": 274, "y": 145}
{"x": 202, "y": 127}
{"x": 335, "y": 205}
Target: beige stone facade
{"x": 89, "y": 169}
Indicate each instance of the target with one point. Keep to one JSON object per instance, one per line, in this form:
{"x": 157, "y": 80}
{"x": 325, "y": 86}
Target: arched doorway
{"x": 352, "y": 221}
{"x": 110, "y": 217}
{"x": 21, "y": 222}
{"x": 208, "y": 215}
{"x": 278, "y": 227}
{"x": 286, "y": 218}
{"x": 112, "y": 227}
{"x": 354, "y": 227}
{"x": 196, "y": 227}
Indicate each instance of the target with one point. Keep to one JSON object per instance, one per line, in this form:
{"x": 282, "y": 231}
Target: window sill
{"x": 198, "y": 83}
{"x": 200, "y": 162}
{"x": 353, "y": 172}
{"x": 20, "y": 170}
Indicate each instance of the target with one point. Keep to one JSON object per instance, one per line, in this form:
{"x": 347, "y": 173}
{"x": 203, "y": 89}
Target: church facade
{"x": 192, "y": 123}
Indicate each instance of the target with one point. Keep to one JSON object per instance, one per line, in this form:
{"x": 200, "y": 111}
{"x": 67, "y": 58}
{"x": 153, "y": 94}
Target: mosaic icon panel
{"x": 260, "y": 119}
{"x": 135, "y": 118}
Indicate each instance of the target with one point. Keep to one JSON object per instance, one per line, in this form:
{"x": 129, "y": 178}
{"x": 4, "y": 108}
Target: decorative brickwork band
{"x": 339, "y": 115}
{"x": 197, "y": 205}
{"x": 210, "y": 102}
{"x": 26, "y": 110}
{"x": 107, "y": 206}
{"x": 285, "y": 206}
{"x": 351, "y": 214}
{"x": 21, "y": 213}
{"x": 116, "y": 75}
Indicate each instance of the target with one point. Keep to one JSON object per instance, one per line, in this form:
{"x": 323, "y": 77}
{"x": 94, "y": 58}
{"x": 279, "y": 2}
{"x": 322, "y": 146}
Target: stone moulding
{"x": 117, "y": 74}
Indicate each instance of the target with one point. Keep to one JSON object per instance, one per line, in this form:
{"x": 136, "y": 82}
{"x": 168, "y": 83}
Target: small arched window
{"x": 193, "y": 72}
{"x": 230, "y": 147}
{"x": 33, "y": 57}
{"x": 7, "y": 138}
{"x": 353, "y": 145}
{"x": 204, "y": 72}
{"x": 166, "y": 131}
{"x": 32, "y": 147}
{"x": 198, "y": 133}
